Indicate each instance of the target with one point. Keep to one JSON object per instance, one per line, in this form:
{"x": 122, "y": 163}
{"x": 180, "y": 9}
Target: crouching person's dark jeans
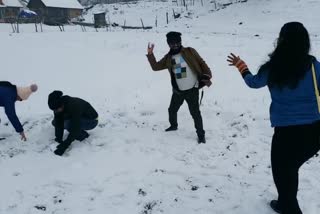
{"x": 85, "y": 125}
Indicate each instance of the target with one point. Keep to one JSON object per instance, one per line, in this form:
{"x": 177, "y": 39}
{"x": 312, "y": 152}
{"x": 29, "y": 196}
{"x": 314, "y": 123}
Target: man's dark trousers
{"x": 191, "y": 96}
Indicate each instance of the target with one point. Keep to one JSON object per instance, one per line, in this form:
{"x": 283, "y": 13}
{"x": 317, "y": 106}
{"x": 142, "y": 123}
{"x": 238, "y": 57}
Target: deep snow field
{"x": 129, "y": 165}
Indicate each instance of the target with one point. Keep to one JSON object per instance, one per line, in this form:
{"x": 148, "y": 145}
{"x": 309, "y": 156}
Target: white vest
{"x": 185, "y": 77}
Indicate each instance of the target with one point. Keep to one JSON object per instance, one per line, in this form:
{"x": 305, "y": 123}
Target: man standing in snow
{"x": 71, "y": 113}
{"x": 189, "y": 73}
{"x": 9, "y": 94}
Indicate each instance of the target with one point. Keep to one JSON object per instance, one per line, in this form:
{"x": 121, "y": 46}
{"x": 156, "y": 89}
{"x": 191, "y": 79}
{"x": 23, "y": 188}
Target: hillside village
{"x": 64, "y": 12}
{"x": 48, "y": 11}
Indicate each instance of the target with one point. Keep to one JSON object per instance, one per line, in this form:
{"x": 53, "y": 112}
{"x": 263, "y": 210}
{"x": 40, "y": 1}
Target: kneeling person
{"x": 73, "y": 114}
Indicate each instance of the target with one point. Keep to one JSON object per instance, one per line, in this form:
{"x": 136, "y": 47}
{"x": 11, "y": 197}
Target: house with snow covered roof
{"x": 56, "y": 11}
{"x": 9, "y": 9}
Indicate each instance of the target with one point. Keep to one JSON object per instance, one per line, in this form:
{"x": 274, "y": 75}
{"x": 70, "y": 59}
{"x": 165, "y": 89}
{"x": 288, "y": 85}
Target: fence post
{"x": 156, "y": 21}
{"x": 167, "y": 18}
{"x": 41, "y": 25}
{"x": 17, "y": 25}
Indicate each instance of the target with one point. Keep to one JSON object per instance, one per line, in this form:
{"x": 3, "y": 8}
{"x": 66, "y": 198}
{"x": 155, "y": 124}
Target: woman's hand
{"x": 237, "y": 62}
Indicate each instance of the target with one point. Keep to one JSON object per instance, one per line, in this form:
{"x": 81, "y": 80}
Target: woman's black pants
{"x": 291, "y": 147}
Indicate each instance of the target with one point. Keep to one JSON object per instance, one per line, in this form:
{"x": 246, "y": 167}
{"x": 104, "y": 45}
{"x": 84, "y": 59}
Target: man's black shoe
{"x": 275, "y": 206}
{"x": 201, "y": 139}
{"x": 171, "y": 128}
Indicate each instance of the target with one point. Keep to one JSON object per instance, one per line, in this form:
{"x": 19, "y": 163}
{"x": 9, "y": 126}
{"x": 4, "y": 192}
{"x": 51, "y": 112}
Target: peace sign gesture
{"x": 150, "y": 48}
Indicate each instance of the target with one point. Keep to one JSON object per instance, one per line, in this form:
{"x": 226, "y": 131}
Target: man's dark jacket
{"x": 194, "y": 61}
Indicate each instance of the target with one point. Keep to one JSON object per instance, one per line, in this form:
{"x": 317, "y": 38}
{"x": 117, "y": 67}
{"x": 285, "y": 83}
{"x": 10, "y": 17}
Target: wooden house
{"x": 9, "y": 10}
{"x": 56, "y": 11}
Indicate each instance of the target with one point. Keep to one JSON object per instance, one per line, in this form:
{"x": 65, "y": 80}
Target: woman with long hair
{"x": 294, "y": 110}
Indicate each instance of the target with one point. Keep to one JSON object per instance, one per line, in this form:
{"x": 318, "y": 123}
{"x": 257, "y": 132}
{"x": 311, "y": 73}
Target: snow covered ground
{"x": 129, "y": 164}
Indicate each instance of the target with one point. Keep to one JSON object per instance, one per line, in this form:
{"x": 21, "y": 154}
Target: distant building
{"x": 9, "y": 10}
{"x": 56, "y": 11}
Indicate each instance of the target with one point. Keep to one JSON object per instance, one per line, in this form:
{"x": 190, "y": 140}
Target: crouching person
{"x": 73, "y": 114}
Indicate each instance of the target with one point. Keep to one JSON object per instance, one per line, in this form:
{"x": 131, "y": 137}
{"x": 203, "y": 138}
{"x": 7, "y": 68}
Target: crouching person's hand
{"x": 61, "y": 148}
{"x": 59, "y": 152}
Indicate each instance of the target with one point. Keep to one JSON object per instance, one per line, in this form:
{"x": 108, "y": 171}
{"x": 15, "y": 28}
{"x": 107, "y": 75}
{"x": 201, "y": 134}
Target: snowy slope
{"x": 129, "y": 164}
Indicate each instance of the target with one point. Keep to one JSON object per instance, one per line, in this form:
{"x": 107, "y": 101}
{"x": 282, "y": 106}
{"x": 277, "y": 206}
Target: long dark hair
{"x": 290, "y": 60}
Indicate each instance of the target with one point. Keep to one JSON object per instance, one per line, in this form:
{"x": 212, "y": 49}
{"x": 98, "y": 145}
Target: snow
{"x": 12, "y": 3}
{"x": 74, "y": 4}
{"x": 129, "y": 164}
